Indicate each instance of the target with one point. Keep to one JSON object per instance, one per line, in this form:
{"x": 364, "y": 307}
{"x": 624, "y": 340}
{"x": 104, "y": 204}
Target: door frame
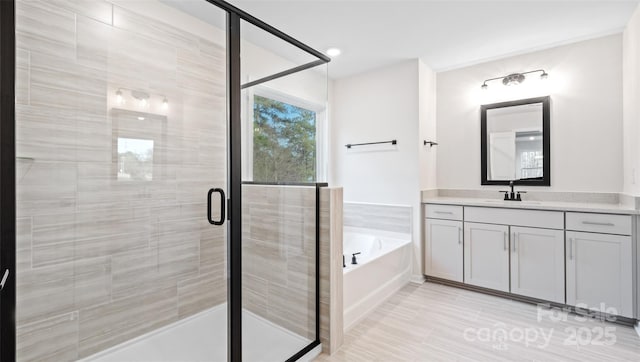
{"x": 234, "y": 182}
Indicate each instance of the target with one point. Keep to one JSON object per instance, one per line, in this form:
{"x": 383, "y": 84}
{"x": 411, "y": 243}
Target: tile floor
{"x": 433, "y": 322}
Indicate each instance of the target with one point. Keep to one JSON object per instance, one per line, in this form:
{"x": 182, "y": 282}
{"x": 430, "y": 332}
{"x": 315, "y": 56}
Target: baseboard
{"x": 622, "y": 320}
{"x": 417, "y": 279}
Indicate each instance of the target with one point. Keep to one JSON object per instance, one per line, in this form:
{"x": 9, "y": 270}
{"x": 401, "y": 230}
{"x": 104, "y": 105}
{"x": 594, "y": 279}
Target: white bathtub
{"x": 384, "y": 266}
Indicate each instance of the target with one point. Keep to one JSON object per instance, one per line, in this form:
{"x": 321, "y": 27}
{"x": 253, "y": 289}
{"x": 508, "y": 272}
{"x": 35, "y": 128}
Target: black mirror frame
{"x": 546, "y": 141}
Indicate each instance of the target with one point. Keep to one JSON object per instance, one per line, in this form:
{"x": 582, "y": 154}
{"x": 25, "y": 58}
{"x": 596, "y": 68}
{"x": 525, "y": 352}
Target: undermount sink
{"x": 523, "y": 202}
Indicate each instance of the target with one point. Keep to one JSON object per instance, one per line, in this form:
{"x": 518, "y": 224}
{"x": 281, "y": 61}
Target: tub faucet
{"x": 353, "y": 258}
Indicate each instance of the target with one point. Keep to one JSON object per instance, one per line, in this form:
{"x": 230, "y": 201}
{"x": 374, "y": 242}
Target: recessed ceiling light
{"x": 333, "y": 52}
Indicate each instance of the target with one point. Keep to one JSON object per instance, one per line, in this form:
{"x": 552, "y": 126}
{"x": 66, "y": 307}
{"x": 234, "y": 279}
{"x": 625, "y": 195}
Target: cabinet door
{"x": 486, "y": 255}
{"x": 599, "y": 272}
{"x": 537, "y": 263}
{"x": 443, "y": 249}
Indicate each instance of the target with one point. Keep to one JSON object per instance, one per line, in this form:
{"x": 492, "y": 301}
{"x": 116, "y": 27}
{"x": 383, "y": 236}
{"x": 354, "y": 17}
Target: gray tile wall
{"x": 331, "y": 277}
{"x": 394, "y": 218}
{"x": 101, "y": 261}
{"x": 278, "y": 249}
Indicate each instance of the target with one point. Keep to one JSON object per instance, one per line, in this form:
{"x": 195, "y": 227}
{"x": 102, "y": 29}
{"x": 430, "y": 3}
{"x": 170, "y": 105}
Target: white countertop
{"x": 535, "y": 205}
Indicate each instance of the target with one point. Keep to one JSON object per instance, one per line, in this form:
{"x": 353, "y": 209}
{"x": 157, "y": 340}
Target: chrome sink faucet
{"x": 513, "y": 196}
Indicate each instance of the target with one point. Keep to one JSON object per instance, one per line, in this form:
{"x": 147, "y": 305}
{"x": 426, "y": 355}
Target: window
{"x": 285, "y": 141}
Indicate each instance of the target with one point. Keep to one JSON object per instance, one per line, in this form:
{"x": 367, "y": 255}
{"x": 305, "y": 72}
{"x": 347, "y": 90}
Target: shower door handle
{"x": 222, "y": 207}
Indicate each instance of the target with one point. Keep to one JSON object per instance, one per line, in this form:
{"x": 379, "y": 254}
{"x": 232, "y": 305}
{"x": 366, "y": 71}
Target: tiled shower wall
{"x": 279, "y": 238}
{"x": 101, "y": 260}
{"x": 331, "y": 273}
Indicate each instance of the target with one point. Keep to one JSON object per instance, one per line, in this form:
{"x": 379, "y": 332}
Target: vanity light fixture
{"x": 514, "y": 78}
{"x": 142, "y": 99}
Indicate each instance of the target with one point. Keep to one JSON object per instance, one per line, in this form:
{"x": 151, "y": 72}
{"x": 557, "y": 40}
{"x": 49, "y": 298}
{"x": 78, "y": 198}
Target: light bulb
{"x": 143, "y": 102}
{"x": 544, "y": 75}
{"x": 119, "y": 96}
{"x": 165, "y": 103}
{"x": 484, "y": 86}
{"x": 333, "y": 52}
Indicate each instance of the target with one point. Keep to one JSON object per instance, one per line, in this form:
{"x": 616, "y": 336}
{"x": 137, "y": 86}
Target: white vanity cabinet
{"x": 582, "y": 259}
{"x": 515, "y": 250}
{"x": 486, "y": 255}
{"x": 443, "y": 242}
{"x": 443, "y": 255}
{"x": 537, "y": 263}
{"x": 600, "y": 265}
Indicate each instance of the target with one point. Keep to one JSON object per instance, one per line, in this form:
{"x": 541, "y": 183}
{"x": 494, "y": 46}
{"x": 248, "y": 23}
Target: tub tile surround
{"x": 393, "y": 218}
{"x": 544, "y": 200}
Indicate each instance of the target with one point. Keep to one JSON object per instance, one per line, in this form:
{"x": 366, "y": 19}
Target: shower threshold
{"x": 203, "y": 337}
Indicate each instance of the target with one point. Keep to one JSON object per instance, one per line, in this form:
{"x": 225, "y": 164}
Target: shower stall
{"x": 161, "y": 165}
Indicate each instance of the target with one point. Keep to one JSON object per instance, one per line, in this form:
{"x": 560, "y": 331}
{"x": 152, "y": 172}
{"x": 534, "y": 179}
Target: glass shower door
{"x": 121, "y": 132}
{"x": 284, "y": 95}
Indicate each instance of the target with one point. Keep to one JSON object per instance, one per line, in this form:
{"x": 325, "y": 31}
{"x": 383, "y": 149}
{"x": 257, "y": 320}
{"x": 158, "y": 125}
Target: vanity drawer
{"x": 449, "y": 212}
{"x": 515, "y": 217}
{"x": 599, "y": 223}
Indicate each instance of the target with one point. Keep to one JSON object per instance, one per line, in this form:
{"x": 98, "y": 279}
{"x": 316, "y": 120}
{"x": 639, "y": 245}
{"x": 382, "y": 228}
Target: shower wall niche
{"x": 112, "y": 236}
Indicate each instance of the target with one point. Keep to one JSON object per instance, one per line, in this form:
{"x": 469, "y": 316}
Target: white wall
{"x": 382, "y": 105}
{"x": 427, "y": 127}
{"x": 585, "y": 85}
{"x": 631, "y": 104}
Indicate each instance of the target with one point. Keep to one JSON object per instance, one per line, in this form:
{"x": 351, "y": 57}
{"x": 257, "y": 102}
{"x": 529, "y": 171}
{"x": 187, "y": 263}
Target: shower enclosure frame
{"x": 234, "y": 182}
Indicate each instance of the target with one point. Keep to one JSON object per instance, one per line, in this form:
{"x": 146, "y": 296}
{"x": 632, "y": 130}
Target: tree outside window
{"x": 284, "y": 142}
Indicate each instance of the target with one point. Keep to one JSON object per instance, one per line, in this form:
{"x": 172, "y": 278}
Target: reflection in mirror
{"x": 139, "y": 142}
{"x": 515, "y": 138}
{"x": 135, "y": 159}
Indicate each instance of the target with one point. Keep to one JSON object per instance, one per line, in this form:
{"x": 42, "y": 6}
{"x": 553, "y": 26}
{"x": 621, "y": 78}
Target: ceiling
{"x": 444, "y": 34}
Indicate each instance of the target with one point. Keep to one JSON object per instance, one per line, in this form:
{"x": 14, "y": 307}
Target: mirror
{"x": 515, "y": 142}
{"x": 139, "y": 146}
